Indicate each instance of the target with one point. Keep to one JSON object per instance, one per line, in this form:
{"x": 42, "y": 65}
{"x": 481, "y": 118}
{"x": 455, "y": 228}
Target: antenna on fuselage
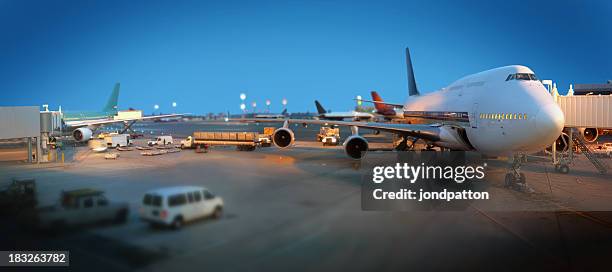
{"x": 412, "y": 88}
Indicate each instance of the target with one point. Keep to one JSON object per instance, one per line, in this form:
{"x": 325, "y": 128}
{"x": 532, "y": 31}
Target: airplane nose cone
{"x": 549, "y": 122}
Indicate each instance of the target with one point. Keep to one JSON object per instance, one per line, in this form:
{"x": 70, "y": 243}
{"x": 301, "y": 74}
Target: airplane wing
{"x": 426, "y": 132}
{"x": 384, "y": 103}
{"x": 99, "y": 122}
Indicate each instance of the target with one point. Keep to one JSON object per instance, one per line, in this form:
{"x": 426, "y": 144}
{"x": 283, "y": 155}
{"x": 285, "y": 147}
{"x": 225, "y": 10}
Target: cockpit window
{"x": 521, "y": 76}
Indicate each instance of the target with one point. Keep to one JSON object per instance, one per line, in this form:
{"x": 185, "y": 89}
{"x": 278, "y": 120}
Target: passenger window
{"x": 88, "y": 203}
{"x": 190, "y": 197}
{"x": 197, "y": 196}
{"x": 208, "y": 195}
{"x": 514, "y": 116}
{"x": 102, "y": 201}
{"x": 147, "y": 199}
{"x": 177, "y": 200}
{"x": 525, "y": 116}
{"x": 520, "y": 116}
{"x": 157, "y": 201}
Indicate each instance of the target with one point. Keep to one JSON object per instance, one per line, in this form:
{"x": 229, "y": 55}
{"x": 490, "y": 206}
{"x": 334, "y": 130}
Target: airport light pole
{"x": 155, "y": 107}
{"x": 284, "y": 102}
{"x": 242, "y": 105}
{"x": 268, "y": 105}
{"x": 243, "y": 108}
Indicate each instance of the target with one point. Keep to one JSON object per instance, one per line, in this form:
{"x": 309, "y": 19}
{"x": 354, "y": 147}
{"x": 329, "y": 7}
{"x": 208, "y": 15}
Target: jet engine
{"x": 82, "y": 134}
{"x": 562, "y": 143}
{"x": 356, "y": 146}
{"x": 589, "y": 134}
{"x": 283, "y": 137}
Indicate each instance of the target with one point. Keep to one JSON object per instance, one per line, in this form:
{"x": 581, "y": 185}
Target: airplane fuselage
{"x": 353, "y": 115}
{"x": 498, "y": 114}
{"x": 83, "y": 115}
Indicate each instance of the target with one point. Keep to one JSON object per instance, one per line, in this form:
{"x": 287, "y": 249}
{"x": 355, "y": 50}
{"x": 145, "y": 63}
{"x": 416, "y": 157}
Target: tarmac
{"x": 299, "y": 209}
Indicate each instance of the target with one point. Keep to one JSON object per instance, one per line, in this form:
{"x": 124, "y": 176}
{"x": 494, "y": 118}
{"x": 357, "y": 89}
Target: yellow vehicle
{"x": 329, "y": 135}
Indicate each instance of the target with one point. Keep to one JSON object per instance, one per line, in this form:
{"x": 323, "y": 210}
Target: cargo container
{"x": 244, "y": 141}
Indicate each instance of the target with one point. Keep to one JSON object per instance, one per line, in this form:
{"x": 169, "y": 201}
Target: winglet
{"x": 111, "y": 105}
{"x": 412, "y": 88}
{"x": 320, "y": 108}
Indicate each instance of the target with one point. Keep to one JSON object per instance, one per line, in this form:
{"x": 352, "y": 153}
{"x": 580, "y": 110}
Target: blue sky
{"x": 204, "y": 54}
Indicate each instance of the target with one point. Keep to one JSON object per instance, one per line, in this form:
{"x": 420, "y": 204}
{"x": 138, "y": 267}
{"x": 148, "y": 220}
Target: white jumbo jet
{"x": 502, "y": 111}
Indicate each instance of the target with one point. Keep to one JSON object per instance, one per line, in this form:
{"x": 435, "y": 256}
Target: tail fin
{"x": 380, "y": 108}
{"x": 412, "y": 88}
{"x": 284, "y": 112}
{"x": 111, "y": 105}
{"x": 320, "y": 108}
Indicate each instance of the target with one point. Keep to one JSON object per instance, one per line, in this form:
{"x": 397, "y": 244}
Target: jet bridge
{"x": 21, "y": 123}
{"x": 581, "y": 111}
{"x": 593, "y": 111}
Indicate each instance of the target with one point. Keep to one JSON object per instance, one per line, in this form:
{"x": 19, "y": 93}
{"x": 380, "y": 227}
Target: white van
{"x": 117, "y": 140}
{"x": 161, "y": 140}
{"x": 174, "y": 206}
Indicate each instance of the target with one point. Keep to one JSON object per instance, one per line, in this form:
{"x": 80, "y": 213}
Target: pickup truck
{"x": 79, "y": 207}
{"x": 161, "y": 140}
{"x": 244, "y": 141}
{"x": 20, "y": 194}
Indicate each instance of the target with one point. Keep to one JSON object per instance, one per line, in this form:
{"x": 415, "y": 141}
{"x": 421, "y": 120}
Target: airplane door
{"x": 474, "y": 119}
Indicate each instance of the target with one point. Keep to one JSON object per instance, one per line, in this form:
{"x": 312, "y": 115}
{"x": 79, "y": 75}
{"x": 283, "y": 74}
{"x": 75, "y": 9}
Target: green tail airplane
{"x": 108, "y": 111}
{"x": 81, "y": 124}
